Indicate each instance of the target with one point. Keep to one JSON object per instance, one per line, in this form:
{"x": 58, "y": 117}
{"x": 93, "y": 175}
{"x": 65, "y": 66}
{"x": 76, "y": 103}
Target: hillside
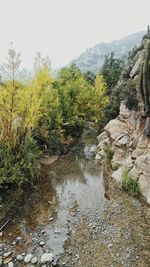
{"x": 93, "y": 58}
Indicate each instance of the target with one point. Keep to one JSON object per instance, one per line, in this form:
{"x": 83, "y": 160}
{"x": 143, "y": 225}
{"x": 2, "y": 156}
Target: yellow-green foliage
{"x": 71, "y": 102}
{"x": 79, "y": 101}
{"x": 129, "y": 184}
{"x": 21, "y": 106}
{"x": 48, "y": 109}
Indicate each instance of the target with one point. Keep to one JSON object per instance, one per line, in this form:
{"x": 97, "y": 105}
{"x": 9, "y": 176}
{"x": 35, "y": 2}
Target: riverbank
{"x": 77, "y": 219}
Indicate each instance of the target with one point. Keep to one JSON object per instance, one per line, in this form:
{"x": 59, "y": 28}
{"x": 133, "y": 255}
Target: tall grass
{"x": 129, "y": 184}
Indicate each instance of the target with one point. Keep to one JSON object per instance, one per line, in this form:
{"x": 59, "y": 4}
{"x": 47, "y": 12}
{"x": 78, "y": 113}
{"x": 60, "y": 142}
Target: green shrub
{"x": 21, "y": 165}
{"x": 108, "y": 154}
{"x": 55, "y": 142}
{"x": 129, "y": 184}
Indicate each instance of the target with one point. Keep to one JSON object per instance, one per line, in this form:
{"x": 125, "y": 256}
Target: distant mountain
{"x": 93, "y": 58}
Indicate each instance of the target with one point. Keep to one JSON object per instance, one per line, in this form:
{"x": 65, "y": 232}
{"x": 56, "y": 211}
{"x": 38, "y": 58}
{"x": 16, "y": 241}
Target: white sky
{"x": 63, "y": 29}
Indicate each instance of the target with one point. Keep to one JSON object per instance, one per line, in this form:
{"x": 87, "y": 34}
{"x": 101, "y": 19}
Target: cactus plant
{"x": 145, "y": 78}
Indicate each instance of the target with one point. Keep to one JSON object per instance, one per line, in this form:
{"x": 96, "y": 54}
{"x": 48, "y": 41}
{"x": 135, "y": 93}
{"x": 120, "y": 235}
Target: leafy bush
{"x": 129, "y": 184}
{"x": 50, "y": 110}
{"x": 71, "y": 102}
{"x": 21, "y": 165}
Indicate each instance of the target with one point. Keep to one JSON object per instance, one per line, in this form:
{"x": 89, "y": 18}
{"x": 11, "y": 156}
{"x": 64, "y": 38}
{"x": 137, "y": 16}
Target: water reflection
{"x": 73, "y": 188}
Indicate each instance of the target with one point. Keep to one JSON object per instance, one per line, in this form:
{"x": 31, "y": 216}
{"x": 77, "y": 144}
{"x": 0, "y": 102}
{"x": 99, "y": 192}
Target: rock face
{"x": 131, "y": 147}
{"x": 128, "y": 136}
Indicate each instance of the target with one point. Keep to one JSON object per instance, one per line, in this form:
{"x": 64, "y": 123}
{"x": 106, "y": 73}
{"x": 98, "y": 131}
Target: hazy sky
{"x": 63, "y": 29}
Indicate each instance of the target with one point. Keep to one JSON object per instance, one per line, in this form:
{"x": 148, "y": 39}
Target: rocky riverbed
{"x": 76, "y": 217}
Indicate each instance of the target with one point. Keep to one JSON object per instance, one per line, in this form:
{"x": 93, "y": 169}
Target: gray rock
{"x": 1, "y": 261}
{"x": 118, "y": 174}
{"x": 42, "y": 243}
{"x": 57, "y": 231}
{"x": 122, "y": 139}
{"x": 28, "y": 258}
{"x": 19, "y": 258}
{"x": 7, "y": 254}
{"x": 34, "y": 260}
{"x": 10, "y": 264}
{"x": 102, "y": 137}
{"x": 47, "y": 258}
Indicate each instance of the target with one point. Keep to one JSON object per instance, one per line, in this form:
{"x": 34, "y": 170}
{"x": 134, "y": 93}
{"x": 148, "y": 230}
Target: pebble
{"x": 57, "y": 231}
{"x": 10, "y": 264}
{"x": 42, "y": 243}
{"x": 50, "y": 219}
{"x": 28, "y": 258}
{"x": 19, "y": 258}
{"x": 34, "y": 260}
{"x": 7, "y": 254}
{"x": 47, "y": 258}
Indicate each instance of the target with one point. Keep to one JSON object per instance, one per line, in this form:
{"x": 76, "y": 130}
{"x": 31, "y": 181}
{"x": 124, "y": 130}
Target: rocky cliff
{"x": 127, "y": 134}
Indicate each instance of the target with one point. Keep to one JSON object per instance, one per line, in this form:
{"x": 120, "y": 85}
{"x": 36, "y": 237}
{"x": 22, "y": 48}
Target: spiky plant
{"x": 145, "y": 77}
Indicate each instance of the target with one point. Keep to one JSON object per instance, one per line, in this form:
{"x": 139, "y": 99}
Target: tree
{"x": 68, "y": 73}
{"x": 10, "y": 69}
{"x": 89, "y": 77}
{"x": 40, "y": 62}
{"x": 21, "y": 106}
{"x": 111, "y": 71}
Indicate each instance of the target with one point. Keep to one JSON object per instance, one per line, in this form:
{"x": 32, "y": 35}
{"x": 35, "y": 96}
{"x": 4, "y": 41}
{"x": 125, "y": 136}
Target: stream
{"x": 67, "y": 214}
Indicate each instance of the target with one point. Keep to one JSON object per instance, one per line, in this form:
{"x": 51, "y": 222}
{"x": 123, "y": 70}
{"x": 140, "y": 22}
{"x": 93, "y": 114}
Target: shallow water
{"x": 69, "y": 205}
{"x": 74, "y": 185}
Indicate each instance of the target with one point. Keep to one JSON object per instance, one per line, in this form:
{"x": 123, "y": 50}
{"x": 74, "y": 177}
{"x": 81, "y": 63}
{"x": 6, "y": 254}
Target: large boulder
{"x": 142, "y": 164}
{"x": 116, "y": 129}
{"x": 124, "y": 111}
{"x": 144, "y": 184}
{"x": 118, "y": 175}
{"x": 119, "y": 156}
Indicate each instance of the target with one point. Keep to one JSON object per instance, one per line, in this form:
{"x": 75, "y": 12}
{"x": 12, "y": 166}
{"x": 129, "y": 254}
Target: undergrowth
{"x": 129, "y": 184}
{"x": 108, "y": 154}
